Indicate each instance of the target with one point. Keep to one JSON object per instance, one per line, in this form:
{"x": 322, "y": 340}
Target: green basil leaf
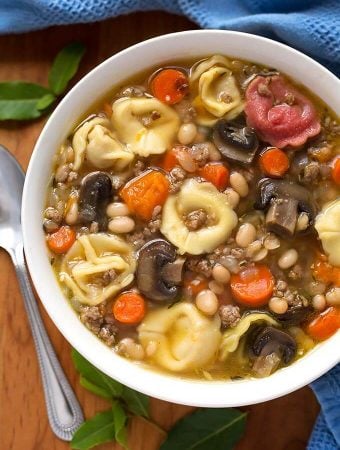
{"x": 97, "y": 430}
{"x": 97, "y": 390}
{"x": 95, "y": 376}
{"x": 207, "y": 429}
{"x": 46, "y": 101}
{"x": 19, "y": 100}
{"x": 65, "y": 67}
{"x": 119, "y": 420}
{"x": 136, "y": 402}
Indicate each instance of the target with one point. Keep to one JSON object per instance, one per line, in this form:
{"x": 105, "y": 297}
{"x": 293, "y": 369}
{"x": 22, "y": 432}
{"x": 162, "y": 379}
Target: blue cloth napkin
{"x": 312, "y": 26}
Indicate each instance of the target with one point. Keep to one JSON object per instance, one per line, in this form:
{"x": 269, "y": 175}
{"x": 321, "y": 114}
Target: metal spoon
{"x": 63, "y": 409}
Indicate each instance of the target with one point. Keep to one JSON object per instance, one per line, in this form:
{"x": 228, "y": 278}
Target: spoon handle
{"x": 63, "y": 409}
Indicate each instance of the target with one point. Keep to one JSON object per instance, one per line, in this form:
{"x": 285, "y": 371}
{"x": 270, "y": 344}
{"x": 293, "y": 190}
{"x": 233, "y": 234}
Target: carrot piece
{"x": 194, "y": 284}
{"x": 325, "y": 324}
{"x": 169, "y": 161}
{"x": 336, "y": 171}
{"x": 325, "y": 272}
{"x": 61, "y": 240}
{"x": 253, "y": 286}
{"x": 274, "y": 162}
{"x": 144, "y": 193}
{"x": 170, "y": 86}
{"x": 216, "y": 173}
{"x": 129, "y": 308}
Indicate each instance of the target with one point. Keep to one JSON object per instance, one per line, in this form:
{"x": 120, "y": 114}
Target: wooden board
{"x": 281, "y": 424}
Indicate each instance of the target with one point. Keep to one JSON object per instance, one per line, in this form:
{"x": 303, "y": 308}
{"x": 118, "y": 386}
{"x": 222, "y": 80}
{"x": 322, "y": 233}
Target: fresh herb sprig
{"x": 20, "y": 100}
{"x": 204, "y": 429}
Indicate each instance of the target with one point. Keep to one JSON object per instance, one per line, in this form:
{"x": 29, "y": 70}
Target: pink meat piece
{"x": 279, "y": 113}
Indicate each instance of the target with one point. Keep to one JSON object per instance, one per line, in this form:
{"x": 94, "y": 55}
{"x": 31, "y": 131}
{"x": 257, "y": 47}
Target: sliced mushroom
{"x": 95, "y": 194}
{"x": 284, "y": 200}
{"x": 158, "y": 272}
{"x": 269, "y": 340}
{"x": 235, "y": 141}
{"x": 294, "y": 315}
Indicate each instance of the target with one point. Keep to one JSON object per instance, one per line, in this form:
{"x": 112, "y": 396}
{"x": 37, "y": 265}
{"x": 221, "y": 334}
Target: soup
{"x": 193, "y": 219}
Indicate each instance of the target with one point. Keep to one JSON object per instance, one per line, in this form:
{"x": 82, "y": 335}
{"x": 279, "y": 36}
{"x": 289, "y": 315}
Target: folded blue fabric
{"x": 312, "y": 26}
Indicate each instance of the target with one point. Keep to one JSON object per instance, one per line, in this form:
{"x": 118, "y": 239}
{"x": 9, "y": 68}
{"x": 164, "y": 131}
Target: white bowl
{"x": 94, "y": 85}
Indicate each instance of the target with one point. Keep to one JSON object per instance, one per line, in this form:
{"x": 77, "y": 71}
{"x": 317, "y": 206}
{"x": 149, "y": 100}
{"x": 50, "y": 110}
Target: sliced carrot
{"x": 170, "y": 86}
{"x": 169, "y": 160}
{"x": 216, "y": 173}
{"x": 194, "y": 283}
{"x": 60, "y": 241}
{"x": 325, "y": 272}
{"x": 336, "y": 171}
{"x": 129, "y": 308}
{"x": 253, "y": 286}
{"x": 325, "y": 324}
{"x": 144, "y": 193}
{"x": 274, "y": 162}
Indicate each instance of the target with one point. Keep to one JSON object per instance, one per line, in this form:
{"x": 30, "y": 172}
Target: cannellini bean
{"x": 319, "y": 302}
{"x": 186, "y": 133}
{"x": 221, "y": 274}
{"x": 261, "y": 254}
{"x": 271, "y": 242}
{"x": 245, "y": 235}
{"x": 207, "y": 302}
{"x": 288, "y": 259}
{"x": 186, "y": 161}
{"x": 233, "y": 197}
{"x": 278, "y": 305}
{"x": 333, "y": 296}
{"x": 214, "y": 154}
{"x": 239, "y": 184}
{"x": 216, "y": 287}
{"x": 131, "y": 349}
{"x": 71, "y": 217}
{"x": 121, "y": 224}
{"x": 302, "y": 222}
{"x": 253, "y": 248}
{"x": 117, "y": 209}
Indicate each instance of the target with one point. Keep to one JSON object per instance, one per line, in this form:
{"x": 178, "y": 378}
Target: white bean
{"x": 271, "y": 242}
{"x": 288, "y": 259}
{"x": 245, "y": 235}
{"x": 221, "y": 274}
{"x": 302, "y": 222}
{"x": 319, "y": 302}
{"x": 121, "y": 224}
{"x": 214, "y": 154}
{"x": 72, "y": 213}
{"x": 131, "y": 349}
{"x": 186, "y": 133}
{"x": 278, "y": 305}
{"x": 333, "y": 296}
{"x": 216, "y": 287}
{"x": 233, "y": 197}
{"x": 261, "y": 254}
{"x": 239, "y": 184}
{"x": 117, "y": 209}
{"x": 186, "y": 161}
{"x": 207, "y": 302}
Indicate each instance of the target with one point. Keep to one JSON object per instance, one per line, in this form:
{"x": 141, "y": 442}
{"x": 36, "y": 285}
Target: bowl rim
{"x": 172, "y": 388}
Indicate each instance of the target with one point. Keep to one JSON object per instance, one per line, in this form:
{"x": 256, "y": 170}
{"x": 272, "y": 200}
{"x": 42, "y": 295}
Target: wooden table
{"x": 284, "y": 423}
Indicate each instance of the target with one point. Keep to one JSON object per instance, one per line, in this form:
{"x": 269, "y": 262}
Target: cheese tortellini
{"x": 232, "y": 336}
{"x": 186, "y": 339}
{"x": 217, "y": 92}
{"x": 94, "y": 141}
{"x": 327, "y": 225}
{"x": 90, "y": 257}
{"x": 146, "y": 125}
{"x": 193, "y": 196}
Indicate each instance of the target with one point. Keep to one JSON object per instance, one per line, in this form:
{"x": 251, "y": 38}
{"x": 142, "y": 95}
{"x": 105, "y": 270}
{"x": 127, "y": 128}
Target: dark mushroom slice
{"x": 235, "y": 141}
{"x": 269, "y": 347}
{"x": 159, "y": 273}
{"x": 284, "y": 200}
{"x": 95, "y": 194}
{"x": 295, "y": 315}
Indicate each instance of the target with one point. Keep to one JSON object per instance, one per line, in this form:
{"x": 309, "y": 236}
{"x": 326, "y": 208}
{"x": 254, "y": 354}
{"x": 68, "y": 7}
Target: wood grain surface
{"x": 280, "y": 424}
